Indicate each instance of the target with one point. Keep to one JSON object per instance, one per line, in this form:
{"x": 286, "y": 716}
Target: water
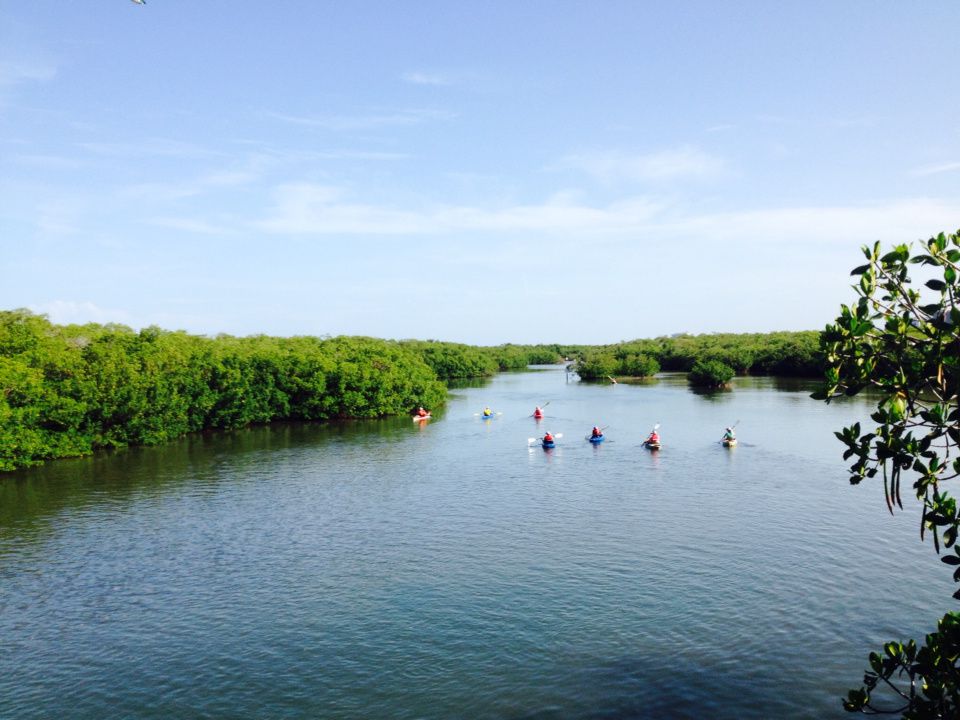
{"x": 380, "y": 569}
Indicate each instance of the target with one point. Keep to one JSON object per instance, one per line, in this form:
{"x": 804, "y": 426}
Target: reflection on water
{"x": 453, "y": 568}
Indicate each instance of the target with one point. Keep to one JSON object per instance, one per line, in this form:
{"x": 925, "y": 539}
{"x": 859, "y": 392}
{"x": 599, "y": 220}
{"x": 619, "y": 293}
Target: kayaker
{"x": 487, "y": 412}
{"x": 538, "y": 413}
{"x": 421, "y": 412}
{"x": 729, "y": 435}
{"x": 654, "y": 438}
{"x": 548, "y": 438}
{"x": 596, "y": 432}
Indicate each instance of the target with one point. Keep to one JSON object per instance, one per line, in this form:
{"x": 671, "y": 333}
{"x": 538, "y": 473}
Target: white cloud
{"x": 191, "y": 225}
{"x": 683, "y": 162}
{"x": 936, "y": 169}
{"x": 423, "y": 78}
{"x": 161, "y": 147}
{"x": 366, "y": 122}
{"x": 14, "y": 72}
{"x": 895, "y": 221}
{"x": 305, "y": 209}
{"x": 191, "y": 187}
{"x": 69, "y": 312}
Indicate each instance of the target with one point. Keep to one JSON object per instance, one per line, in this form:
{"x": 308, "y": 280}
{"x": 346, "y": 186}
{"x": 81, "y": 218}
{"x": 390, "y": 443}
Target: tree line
{"x": 714, "y": 355}
{"x": 68, "y": 390}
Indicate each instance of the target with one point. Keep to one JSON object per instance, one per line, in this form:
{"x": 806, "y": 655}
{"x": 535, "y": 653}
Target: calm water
{"x": 378, "y": 569}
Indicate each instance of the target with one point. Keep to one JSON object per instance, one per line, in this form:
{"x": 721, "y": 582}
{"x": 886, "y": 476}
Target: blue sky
{"x": 479, "y": 172}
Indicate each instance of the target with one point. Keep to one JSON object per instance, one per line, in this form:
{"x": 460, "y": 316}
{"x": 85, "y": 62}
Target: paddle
{"x": 541, "y": 407}
{"x": 587, "y": 437}
{"x": 732, "y": 427}
{"x": 556, "y": 436}
{"x": 651, "y": 433}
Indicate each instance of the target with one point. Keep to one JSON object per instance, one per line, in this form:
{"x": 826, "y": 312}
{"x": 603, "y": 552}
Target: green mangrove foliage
{"x": 902, "y": 340}
{"x": 779, "y": 353}
{"x": 599, "y": 364}
{"x": 710, "y": 374}
{"x": 69, "y": 390}
{"x": 455, "y": 360}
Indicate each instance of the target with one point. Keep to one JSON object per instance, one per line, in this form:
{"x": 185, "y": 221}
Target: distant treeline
{"x": 67, "y": 390}
{"x": 778, "y": 353}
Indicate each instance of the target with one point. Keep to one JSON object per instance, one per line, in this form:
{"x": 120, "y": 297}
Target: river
{"x": 388, "y": 570}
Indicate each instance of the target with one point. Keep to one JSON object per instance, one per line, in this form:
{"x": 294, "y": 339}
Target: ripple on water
{"x": 379, "y": 570}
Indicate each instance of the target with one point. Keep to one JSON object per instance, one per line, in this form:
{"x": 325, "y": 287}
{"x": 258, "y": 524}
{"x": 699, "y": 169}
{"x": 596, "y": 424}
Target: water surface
{"x": 381, "y": 569}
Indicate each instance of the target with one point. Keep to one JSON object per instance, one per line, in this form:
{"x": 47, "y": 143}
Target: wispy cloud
{"x": 161, "y": 147}
{"x": 191, "y": 187}
{"x": 425, "y": 78}
{"x": 50, "y": 162}
{"x": 191, "y": 225}
{"x": 68, "y": 312}
{"x": 935, "y": 169}
{"x": 306, "y": 209}
{"x": 808, "y": 226}
{"x": 14, "y": 72}
{"x": 368, "y": 121}
{"x": 683, "y": 162}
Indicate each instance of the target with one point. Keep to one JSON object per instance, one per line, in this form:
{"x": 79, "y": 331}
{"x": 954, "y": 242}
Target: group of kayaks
{"x": 549, "y": 440}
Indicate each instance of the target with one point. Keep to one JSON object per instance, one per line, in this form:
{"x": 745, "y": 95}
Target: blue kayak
{"x": 547, "y": 444}
{"x": 596, "y": 440}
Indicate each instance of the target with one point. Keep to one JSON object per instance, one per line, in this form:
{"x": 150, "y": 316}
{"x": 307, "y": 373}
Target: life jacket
{"x": 548, "y": 438}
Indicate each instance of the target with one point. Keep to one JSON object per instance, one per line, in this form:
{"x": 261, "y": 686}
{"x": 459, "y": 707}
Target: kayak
{"x": 547, "y": 444}
{"x": 538, "y": 416}
{"x": 730, "y": 443}
{"x": 488, "y": 417}
{"x": 419, "y": 418}
{"x": 652, "y": 445}
{"x": 596, "y": 440}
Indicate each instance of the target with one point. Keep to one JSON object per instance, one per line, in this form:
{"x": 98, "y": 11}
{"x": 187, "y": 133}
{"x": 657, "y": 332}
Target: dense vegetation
{"x": 67, "y": 390}
{"x": 455, "y": 360}
{"x": 902, "y": 340}
{"x": 710, "y": 374}
{"x": 779, "y": 353}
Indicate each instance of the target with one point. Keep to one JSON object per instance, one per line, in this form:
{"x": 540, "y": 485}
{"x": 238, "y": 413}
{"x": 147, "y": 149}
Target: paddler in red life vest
{"x": 595, "y": 432}
{"x": 421, "y": 412}
{"x": 548, "y": 438}
{"x": 654, "y": 438}
{"x": 538, "y": 413}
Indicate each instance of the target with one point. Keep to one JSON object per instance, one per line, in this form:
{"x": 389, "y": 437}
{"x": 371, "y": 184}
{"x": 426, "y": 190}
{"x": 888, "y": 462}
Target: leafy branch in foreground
{"x": 903, "y": 343}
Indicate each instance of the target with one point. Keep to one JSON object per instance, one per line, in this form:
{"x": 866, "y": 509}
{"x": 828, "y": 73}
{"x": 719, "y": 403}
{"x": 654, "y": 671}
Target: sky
{"x": 485, "y": 172}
